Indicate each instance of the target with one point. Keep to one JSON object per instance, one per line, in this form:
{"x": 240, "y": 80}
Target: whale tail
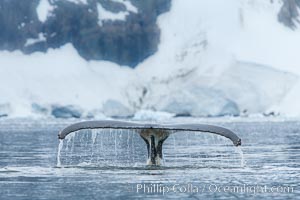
{"x": 154, "y": 135}
{"x": 154, "y": 140}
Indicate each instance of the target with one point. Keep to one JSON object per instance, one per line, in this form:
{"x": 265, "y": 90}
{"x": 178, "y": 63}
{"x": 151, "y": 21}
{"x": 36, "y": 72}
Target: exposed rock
{"x": 289, "y": 13}
{"x": 271, "y": 114}
{"x": 125, "y": 42}
{"x": 113, "y": 108}
{"x": 69, "y": 111}
{"x": 18, "y": 21}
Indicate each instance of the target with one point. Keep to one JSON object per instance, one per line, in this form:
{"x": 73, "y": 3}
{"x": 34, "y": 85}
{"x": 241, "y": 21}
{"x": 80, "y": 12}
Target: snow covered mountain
{"x": 209, "y": 58}
{"x": 124, "y": 32}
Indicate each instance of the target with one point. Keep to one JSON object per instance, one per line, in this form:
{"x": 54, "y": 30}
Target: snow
{"x": 212, "y": 54}
{"x": 60, "y": 76}
{"x": 268, "y": 42}
{"x": 78, "y": 1}
{"x": 22, "y": 25}
{"x": 197, "y": 101}
{"x": 31, "y": 41}
{"x": 152, "y": 116}
{"x": 128, "y": 5}
{"x": 113, "y": 108}
{"x": 230, "y": 92}
{"x": 215, "y": 40}
{"x": 104, "y": 15}
{"x": 290, "y": 105}
{"x": 43, "y": 10}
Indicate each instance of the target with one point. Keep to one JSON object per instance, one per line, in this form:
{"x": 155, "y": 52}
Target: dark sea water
{"x": 111, "y": 164}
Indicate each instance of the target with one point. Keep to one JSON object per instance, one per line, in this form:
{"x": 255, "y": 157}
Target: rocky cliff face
{"x": 95, "y": 35}
{"x": 289, "y": 13}
{"x": 126, "y": 42}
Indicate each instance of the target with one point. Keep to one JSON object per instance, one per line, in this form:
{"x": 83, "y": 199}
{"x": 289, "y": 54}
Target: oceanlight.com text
{"x": 210, "y": 188}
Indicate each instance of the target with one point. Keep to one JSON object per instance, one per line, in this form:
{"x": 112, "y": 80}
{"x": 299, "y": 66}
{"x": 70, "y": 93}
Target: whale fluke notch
{"x": 153, "y": 134}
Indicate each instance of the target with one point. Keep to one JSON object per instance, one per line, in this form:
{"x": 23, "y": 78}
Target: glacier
{"x": 215, "y": 58}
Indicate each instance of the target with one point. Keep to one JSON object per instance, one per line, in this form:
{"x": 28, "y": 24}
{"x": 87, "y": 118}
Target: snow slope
{"x": 215, "y": 58}
{"x": 58, "y": 77}
{"x": 214, "y": 37}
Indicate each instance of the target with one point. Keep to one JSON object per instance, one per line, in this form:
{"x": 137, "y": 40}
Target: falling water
{"x": 240, "y": 151}
{"x": 105, "y": 147}
{"x": 174, "y": 146}
{"x": 125, "y": 147}
{"x": 200, "y": 149}
{"x": 115, "y": 138}
{"x": 94, "y": 136}
{"x": 60, "y": 146}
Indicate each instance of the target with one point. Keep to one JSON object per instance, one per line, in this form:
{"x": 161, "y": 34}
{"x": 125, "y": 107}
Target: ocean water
{"x": 111, "y": 164}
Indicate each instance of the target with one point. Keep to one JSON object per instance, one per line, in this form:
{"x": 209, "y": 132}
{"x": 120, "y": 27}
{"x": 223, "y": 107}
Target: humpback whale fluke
{"x": 153, "y": 134}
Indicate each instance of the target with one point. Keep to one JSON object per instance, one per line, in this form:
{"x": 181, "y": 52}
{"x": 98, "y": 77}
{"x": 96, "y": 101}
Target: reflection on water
{"x": 111, "y": 164}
